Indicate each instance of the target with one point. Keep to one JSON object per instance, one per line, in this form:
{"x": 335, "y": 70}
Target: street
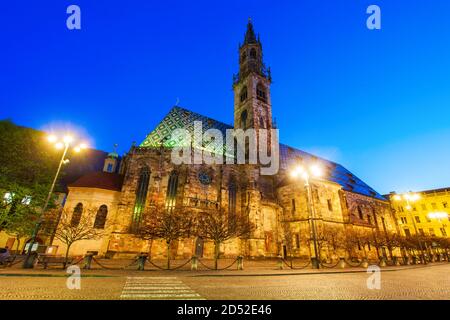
{"x": 430, "y": 282}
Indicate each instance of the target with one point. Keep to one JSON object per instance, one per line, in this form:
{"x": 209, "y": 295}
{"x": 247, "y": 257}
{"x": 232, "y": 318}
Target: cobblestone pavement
{"x": 430, "y": 282}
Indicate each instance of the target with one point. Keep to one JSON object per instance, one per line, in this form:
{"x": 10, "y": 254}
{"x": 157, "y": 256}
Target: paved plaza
{"x": 414, "y": 282}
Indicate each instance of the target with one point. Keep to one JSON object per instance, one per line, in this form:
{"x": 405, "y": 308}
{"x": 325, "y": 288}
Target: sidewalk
{"x": 250, "y": 269}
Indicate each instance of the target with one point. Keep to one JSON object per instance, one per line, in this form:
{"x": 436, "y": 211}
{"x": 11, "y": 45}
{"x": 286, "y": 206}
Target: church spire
{"x": 250, "y": 37}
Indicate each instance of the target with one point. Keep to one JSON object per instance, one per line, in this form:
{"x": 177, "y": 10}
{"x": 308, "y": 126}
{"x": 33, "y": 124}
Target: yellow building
{"x": 427, "y": 211}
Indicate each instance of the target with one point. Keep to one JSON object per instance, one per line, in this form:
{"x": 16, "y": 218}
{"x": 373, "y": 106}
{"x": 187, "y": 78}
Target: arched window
{"x": 244, "y": 119}
{"x": 100, "y": 218}
{"x": 172, "y": 187}
{"x": 231, "y": 202}
{"x": 253, "y": 53}
{"x": 141, "y": 196}
{"x": 261, "y": 123}
{"x": 76, "y": 215}
{"x": 360, "y": 213}
{"x": 261, "y": 92}
{"x": 243, "y": 94}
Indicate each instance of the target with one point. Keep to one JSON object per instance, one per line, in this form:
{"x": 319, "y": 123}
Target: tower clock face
{"x": 204, "y": 178}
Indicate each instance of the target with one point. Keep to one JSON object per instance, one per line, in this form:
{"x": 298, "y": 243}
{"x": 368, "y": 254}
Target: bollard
{"x": 280, "y": 262}
{"x": 240, "y": 263}
{"x": 341, "y": 264}
{"x": 142, "y": 258}
{"x": 382, "y": 262}
{"x": 365, "y": 263}
{"x": 30, "y": 261}
{"x": 406, "y": 260}
{"x": 88, "y": 260}
{"x": 194, "y": 263}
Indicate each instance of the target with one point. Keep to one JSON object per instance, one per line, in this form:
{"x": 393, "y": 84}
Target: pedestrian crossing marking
{"x": 157, "y": 288}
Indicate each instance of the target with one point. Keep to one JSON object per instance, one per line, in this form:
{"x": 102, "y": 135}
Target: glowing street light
{"x": 411, "y": 197}
{"x": 59, "y": 144}
{"x": 438, "y": 215}
{"x": 306, "y": 173}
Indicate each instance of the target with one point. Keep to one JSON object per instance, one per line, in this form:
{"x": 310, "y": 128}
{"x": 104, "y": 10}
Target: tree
{"x": 26, "y": 158}
{"x": 169, "y": 225}
{"x": 21, "y": 226}
{"x": 215, "y": 225}
{"x": 69, "y": 231}
{"x": 27, "y": 166}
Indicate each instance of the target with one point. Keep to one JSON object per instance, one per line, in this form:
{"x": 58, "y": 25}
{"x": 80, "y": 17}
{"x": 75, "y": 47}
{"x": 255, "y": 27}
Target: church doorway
{"x": 199, "y": 247}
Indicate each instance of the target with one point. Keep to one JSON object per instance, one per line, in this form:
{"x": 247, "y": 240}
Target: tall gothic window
{"x": 172, "y": 187}
{"x": 141, "y": 196}
{"x": 244, "y": 119}
{"x": 76, "y": 215}
{"x": 231, "y": 202}
{"x": 261, "y": 92}
{"x": 253, "y": 53}
{"x": 100, "y": 218}
{"x": 243, "y": 94}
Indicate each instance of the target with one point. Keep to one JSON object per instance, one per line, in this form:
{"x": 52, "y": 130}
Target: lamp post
{"x": 306, "y": 173}
{"x": 65, "y": 145}
{"x": 411, "y": 197}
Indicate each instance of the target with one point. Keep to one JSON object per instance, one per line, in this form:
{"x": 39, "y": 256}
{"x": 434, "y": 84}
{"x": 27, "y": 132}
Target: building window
{"x": 244, "y": 119}
{"x": 109, "y": 168}
{"x": 443, "y": 232}
{"x": 76, "y": 215}
{"x": 297, "y": 241}
{"x": 407, "y": 232}
{"x": 232, "y": 202}
{"x": 100, "y": 218}
{"x": 360, "y": 213}
{"x": 330, "y": 205}
{"x": 432, "y": 232}
{"x": 417, "y": 219}
{"x": 261, "y": 92}
{"x": 261, "y": 123}
{"x": 172, "y": 187}
{"x": 243, "y": 94}
{"x": 445, "y": 204}
{"x": 293, "y": 206}
{"x": 404, "y": 220}
{"x": 421, "y": 232}
{"x": 253, "y": 53}
{"x": 141, "y": 196}
{"x": 369, "y": 219}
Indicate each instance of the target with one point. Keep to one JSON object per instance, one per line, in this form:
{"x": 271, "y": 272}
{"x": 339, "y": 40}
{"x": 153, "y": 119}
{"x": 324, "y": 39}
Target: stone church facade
{"x": 276, "y": 205}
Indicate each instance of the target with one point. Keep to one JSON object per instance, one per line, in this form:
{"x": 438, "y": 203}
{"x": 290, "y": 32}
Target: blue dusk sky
{"x": 377, "y": 102}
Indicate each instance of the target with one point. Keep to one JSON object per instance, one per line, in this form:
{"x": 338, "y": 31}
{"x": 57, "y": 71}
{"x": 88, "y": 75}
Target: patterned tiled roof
{"x": 180, "y": 118}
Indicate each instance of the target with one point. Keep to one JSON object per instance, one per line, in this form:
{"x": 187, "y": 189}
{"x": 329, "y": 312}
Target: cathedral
{"x": 279, "y": 206}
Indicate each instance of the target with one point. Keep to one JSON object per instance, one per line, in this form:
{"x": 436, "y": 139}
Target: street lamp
{"x": 411, "y": 197}
{"x": 64, "y": 144}
{"x": 306, "y": 173}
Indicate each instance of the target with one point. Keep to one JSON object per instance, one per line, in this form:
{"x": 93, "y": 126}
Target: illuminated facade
{"x": 429, "y": 213}
{"x": 276, "y": 205}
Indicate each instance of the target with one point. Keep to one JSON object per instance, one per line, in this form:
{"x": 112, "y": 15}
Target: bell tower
{"x": 252, "y": 105}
